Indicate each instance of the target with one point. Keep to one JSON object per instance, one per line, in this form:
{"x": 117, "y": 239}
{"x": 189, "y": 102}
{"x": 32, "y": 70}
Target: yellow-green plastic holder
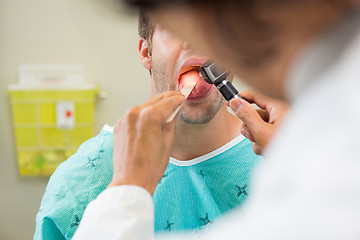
{"x": 40, "y": 145}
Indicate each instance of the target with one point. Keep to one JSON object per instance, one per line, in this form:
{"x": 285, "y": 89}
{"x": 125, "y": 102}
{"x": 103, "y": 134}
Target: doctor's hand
{"x": 142, "y": 142}
{"x": 259, "y": 125}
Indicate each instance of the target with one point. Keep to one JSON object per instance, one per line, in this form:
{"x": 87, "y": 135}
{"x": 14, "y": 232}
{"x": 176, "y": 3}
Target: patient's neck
{"x": 194, "y": 140}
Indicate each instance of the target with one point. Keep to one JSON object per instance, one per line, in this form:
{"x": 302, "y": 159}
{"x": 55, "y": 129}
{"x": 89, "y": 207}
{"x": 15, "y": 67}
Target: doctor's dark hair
{"x": 230, "y": 19}
{"x": 145, "y": 27}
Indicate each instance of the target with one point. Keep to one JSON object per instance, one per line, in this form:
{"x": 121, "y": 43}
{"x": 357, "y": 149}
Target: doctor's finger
{"x": 168, "y": 104}
{"x": 155, "y": 115}
{"x": 256, "y": 148}
{"x": 264, "y": 114}
{"x": 254, "y": 97}
{"x": 246, "y": 133}
{"x": 157, "y": 98}
{"x": 247, "y": 114}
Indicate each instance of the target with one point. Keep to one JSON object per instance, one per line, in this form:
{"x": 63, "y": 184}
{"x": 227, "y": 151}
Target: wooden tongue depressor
{"x": 186, "y": 90}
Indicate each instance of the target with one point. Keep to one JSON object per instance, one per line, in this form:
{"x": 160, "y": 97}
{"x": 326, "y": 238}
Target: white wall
{"x": 88, "y": 32}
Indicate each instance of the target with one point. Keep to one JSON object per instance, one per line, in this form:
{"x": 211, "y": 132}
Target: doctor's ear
{"x": 145, "y": 53}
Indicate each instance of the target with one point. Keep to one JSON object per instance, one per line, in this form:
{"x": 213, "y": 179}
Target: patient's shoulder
{"x": 76, "y": 182}
{"x": 93, "y": 154}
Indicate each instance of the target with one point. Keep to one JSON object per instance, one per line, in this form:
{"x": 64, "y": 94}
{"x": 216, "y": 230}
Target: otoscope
{"x": 212, "y": 74}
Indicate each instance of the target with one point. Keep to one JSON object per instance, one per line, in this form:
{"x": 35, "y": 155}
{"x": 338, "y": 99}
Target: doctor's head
{"x": 257, "y": 39}
{"x": 172, "y": 63}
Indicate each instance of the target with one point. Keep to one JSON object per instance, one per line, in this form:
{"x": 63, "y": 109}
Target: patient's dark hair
{"x": 145, "y": 27}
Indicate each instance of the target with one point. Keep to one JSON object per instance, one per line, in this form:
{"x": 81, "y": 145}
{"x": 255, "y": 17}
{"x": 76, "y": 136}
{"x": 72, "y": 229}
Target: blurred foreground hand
{"x": 259, "y": 124}
{"x": 142, "y": 142}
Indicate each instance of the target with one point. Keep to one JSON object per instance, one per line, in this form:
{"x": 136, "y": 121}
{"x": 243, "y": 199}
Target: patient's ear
{"x": 144, "y": 52}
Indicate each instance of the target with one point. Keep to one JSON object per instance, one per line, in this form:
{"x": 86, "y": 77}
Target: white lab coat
{"x": 309, "y": 187}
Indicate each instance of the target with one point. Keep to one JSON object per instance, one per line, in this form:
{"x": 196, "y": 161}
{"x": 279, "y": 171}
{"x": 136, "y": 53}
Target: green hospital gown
{"x": 190, "y": 195}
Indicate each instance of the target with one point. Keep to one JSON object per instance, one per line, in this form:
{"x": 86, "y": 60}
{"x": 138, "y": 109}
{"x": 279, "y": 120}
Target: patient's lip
{"x": 192, "y": 63}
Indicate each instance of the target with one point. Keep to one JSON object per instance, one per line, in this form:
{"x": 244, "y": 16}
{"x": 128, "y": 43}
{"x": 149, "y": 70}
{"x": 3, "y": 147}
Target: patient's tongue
{"x": 193, "y": 76}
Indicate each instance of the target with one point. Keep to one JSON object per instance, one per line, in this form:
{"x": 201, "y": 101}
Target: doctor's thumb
{"x": 246, "y": 113}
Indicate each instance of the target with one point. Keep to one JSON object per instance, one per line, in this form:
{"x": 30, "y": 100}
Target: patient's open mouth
{"x": 191, "y": 74}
